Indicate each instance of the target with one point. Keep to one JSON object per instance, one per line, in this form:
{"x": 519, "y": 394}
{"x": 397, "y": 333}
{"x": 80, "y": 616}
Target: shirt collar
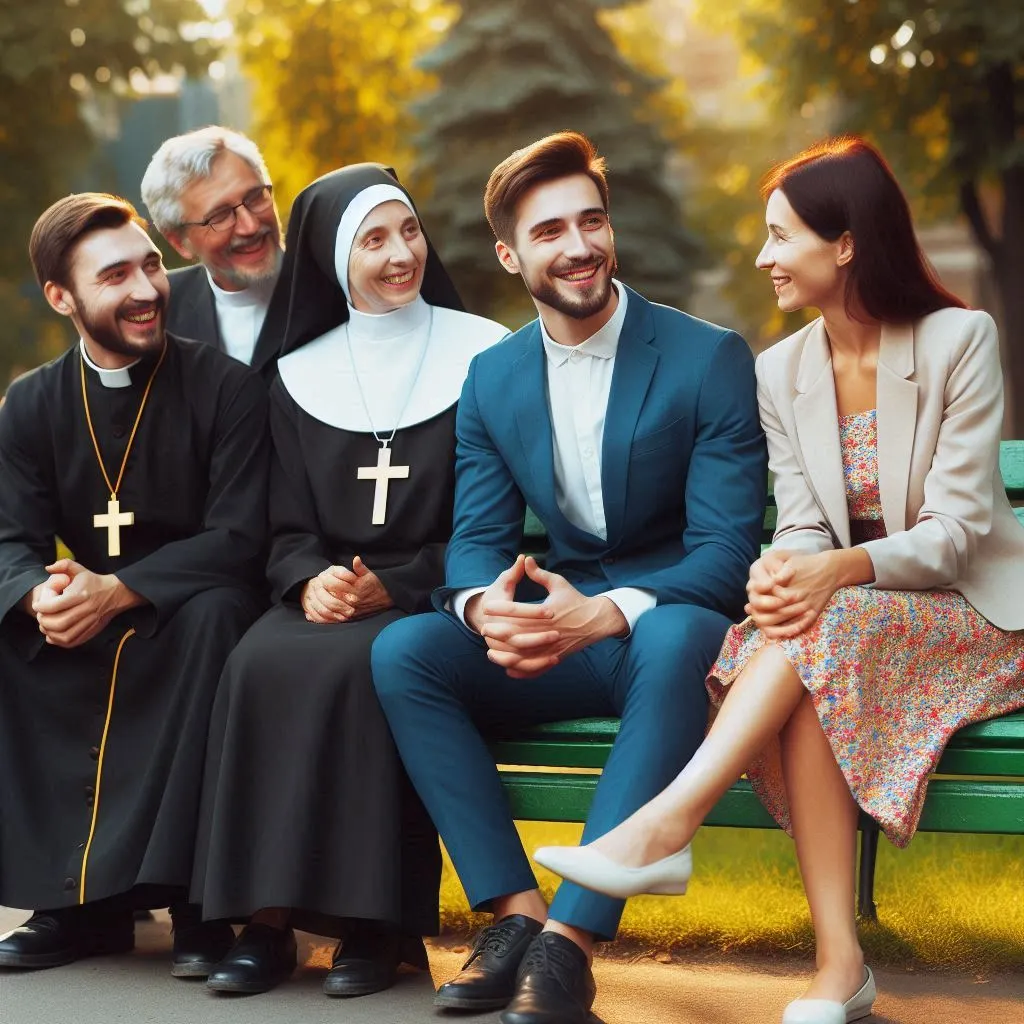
{"x": 603, "y": 344}
{"x": 254, "y": 295}
{"x": 119, "y": 378}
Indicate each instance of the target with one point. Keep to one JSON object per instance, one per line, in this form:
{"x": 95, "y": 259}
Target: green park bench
{"x": 978, "y": 786}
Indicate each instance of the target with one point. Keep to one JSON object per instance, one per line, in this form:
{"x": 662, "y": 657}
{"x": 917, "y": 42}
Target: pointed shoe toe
{"x": 593, "y": 870}
{"x": 828, "y": 1011}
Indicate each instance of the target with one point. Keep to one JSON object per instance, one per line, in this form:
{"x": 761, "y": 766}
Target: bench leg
{"x": 866, "y": 908}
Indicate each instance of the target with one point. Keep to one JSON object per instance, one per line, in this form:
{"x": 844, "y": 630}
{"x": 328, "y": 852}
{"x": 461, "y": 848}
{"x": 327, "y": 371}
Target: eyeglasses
{"x": 257, "y": 200}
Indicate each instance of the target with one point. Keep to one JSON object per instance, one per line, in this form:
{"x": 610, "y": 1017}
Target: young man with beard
{"x": 210, "y": 195}
{"x": 147, "y": 455}
{"x": 632, "y": 431}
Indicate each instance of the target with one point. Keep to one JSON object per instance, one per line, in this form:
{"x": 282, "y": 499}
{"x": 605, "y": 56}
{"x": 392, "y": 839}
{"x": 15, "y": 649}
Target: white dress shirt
{"x": 240, "y": 317}
{"x": 579, "y": 382}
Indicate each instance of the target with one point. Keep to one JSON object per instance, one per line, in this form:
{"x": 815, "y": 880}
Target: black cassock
{"x": 306, "y": 804}
{"x": 100, "y": 770}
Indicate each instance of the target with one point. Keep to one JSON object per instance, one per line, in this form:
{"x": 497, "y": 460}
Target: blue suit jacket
{"x": 683, "y": 466}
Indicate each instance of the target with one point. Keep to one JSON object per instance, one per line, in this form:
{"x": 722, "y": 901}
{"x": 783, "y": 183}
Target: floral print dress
{"x": 892, "y": 673}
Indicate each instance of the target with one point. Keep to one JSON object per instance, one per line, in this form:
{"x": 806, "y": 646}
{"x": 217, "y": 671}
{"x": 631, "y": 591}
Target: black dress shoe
{"x": 198, "y": 945}
{"x": 555, "y": 984}
{"x": 261, "y": 958}
{"x": 51, "y": 938}
{"x": 367, "y": 959}
{"x": 487, "y": 980}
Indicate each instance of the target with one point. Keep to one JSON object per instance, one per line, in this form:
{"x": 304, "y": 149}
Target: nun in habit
{"x": 308, "y": 819}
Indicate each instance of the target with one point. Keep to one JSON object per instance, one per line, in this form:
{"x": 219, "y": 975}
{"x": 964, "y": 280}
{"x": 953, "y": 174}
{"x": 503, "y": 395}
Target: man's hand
{"x": 53, "y": 586}
{"x": 528, "y": 639}
{"x": 73, "y": 612}
{"x": 344, "y": 595}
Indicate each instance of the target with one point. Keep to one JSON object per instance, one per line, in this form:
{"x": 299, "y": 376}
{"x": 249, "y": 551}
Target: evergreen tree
{"x": 510, "y": 73}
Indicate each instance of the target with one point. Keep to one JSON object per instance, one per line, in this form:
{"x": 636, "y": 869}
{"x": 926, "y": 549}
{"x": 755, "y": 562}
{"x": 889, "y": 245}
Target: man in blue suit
{"x": 632, "y": 431}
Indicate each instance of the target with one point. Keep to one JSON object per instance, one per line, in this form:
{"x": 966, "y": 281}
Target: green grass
{"x": 946, "y": 902}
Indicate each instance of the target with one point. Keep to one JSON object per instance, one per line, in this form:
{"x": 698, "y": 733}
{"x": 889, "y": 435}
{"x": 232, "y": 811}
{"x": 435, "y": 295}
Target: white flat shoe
{"x": 593, "y": 870}
{"x": 827, "y": 1011}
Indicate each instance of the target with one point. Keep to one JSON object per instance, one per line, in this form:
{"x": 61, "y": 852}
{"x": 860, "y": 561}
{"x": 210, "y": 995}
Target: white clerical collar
{"x": 255, "y": 295}
{"x": 119, "y": 378}
{"x": 602, "y": 344}
{"x": 364, "y": 327}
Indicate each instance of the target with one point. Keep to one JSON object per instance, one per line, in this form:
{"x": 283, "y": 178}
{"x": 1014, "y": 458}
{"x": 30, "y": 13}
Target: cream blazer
{"x": 949, "y": 524}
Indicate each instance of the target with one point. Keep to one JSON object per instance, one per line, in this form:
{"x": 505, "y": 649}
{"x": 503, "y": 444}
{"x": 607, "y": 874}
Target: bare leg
{"x": 529, "y": 904}
{"x": 757, "y": 706}
{"x": 272, "y": 917}
{"x": 824, "y": 817}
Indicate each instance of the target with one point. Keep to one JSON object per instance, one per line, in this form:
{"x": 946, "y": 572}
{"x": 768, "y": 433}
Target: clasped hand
{"x": 787, "y": 591}
{"x": 528, "y": 639}
{"x": 75, "y": 604}
{"x": 343, "y": 595}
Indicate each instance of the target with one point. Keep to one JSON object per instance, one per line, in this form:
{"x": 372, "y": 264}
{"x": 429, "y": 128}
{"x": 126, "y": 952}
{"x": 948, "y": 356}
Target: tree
{"x": 940, "y": 87}
{"x": 334, "y": 80}
{"x": 53, "y": 55}
{"x": 512, "y": 72}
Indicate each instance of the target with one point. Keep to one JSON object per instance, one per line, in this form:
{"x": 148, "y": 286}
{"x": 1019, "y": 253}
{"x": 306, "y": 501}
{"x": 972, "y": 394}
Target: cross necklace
{"x": 383, "y": 473}
{"x": 114, "y": 518}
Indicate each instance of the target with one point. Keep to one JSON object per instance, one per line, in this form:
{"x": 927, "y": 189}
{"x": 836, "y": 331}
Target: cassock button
{"x": 608, "y": 560}
{"x": 118, "y": 430}
{"x": 94, "y": 753}
{"x": 90, "y": 796}
{"x": 69, "y": 884}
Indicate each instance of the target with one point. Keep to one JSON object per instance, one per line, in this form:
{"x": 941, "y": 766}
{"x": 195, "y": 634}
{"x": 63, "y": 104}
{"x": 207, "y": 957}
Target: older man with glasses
{"x": 209, "y": 194}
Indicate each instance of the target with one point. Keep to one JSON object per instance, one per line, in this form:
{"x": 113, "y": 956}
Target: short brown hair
{"x": 66, "y": 222}
{"x": 555, "y": 156}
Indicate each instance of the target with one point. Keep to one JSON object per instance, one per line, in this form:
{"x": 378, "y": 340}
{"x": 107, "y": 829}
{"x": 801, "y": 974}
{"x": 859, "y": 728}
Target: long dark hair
{"x": 844, "y": 184}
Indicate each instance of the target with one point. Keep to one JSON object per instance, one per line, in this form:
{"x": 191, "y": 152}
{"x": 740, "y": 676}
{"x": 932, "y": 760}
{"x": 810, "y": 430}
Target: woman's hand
{"x": 320, "y": 603}
{"x": 787, "y": 591}
{"x": 360, "y": 589}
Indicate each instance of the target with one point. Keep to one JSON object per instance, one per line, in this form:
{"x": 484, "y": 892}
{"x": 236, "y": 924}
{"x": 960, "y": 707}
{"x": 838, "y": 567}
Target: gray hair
{"x": 183, "y": 160}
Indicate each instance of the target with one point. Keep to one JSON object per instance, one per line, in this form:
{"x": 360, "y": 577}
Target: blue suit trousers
{"x": 442, "y": 697}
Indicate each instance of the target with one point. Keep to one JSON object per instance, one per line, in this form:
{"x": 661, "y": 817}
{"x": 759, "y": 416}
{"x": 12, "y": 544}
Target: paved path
{"x": 138, "y": 989}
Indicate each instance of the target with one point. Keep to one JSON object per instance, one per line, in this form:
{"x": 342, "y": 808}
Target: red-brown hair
{"x": 555, "y": 156}
{"x": 60, "y": 228}
{"x": 844, "y": 184}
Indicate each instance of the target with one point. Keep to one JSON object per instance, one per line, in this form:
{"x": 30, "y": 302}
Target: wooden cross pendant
{"x": 382, "y": 473}
{"x": 112, "y": 521}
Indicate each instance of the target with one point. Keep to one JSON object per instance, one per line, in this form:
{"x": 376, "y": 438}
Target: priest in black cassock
{"x": 308, "y": 819}
{"x": 147, "y": 456}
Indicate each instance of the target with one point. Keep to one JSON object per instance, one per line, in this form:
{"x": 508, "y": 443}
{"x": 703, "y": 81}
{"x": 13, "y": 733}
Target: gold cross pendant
{"x": 112, "y": 522}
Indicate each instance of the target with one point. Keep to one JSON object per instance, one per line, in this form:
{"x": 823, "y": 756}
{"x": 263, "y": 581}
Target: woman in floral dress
{"x": 886, "y": 614}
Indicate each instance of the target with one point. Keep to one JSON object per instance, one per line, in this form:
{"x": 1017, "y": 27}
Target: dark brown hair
{"x": 844, "y": 184}
{"x": 555, "y": 156}
{"x": 63, "y": 225}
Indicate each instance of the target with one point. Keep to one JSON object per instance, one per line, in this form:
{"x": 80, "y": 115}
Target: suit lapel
{"x": 533, "y": 420}
{"x": 897, "y": 420}
{"x": 635, "y": 362}
{"x": 817, "y": 427}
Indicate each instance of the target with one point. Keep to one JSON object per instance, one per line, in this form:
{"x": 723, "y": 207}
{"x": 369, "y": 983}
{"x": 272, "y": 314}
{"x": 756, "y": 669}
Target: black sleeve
{"x": 28, "y": 511}
{"x": 411, "y": 585}
{"x": 297, "y": 551}
{"x": 229, "y": 549}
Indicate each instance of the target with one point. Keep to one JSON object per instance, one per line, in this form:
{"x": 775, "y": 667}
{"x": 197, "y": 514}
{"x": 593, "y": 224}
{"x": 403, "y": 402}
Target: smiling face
{"x": 116, "y": 294}
{"x": 387, "y": 259}
{"x": 564, "y": 247}
{"x": 806, "y": 269}
{"x": 246, "y": 253}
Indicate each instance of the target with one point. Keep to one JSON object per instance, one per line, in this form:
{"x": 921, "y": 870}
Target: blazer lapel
{"x": 635, "y": 362}
{"x": 897, "y": 420}
{"x": 817, "y": 427}
{"x": 533, "y": 420}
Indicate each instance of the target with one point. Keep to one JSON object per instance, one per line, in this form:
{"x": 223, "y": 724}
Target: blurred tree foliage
{"x": 334, "y": 80}
{"x": 940, "y": 85}
{"x": 512, "y": 72}
{"x": 55, "y": 55}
